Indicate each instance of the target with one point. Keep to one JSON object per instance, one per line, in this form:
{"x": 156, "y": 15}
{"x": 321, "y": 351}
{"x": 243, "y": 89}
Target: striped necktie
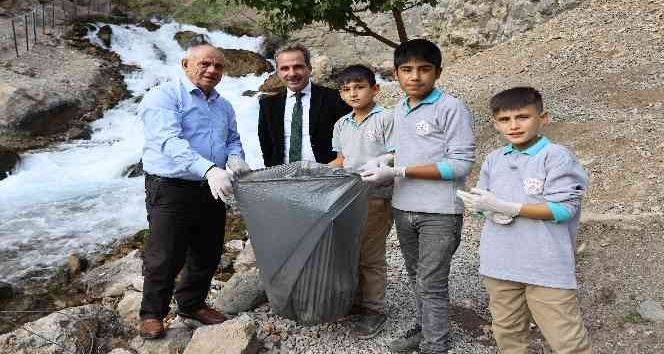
{"x": 295, "y": 150}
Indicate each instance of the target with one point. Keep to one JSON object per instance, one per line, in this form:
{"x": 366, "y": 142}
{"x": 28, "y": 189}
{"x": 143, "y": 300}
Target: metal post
{"x": 27, "y": 39}
{"x": 110, "y": 6}
{"x": 75, "y": 9}
{"x": 43, "y": 18}
{"x": 34, "y": 26}
{"x": 53, "y": 15}
{"x": 64, "y": 12}
{"x": 89, "y": 6}
{"x": 14, "y": 36}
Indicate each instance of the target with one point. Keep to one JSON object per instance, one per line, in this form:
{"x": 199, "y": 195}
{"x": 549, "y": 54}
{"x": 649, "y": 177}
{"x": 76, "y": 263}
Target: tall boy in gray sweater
{"x": 435, "y": 150}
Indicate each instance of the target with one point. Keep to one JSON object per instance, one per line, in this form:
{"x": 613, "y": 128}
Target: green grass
{"x": 633, "y": 317}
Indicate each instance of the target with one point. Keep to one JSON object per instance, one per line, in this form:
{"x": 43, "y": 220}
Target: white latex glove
{"x": 220, "y": 182}
{"x": 236, "y": 164}
{"x": 483, "y": 200}
{"x": 379, "y": 161}
{"x": 500, "y": 218}
{"x": 383, "y": 174}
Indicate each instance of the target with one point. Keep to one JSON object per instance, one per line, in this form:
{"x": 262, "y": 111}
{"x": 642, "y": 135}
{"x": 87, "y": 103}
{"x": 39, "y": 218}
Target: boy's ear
{"x": 184, "y": 63}
{"x": 439, "y": 70}
{"x": 376, "y": 88}
{"x": 546, "y": 119}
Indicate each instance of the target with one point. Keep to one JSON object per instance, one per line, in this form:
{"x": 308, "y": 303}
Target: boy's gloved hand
{"x": 236, "y": 164}
{"x": 379, "y": 161}
{"x": 483, "y": 200}
{"x": 384, "y": 174}
{"x": 500, "y": 218}
{"x": 220, "y": 182}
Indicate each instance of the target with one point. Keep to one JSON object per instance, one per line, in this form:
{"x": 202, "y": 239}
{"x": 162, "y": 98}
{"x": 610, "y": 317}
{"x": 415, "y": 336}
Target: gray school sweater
{"x": 539, "y": 252}
{"x": 436, "y": 131}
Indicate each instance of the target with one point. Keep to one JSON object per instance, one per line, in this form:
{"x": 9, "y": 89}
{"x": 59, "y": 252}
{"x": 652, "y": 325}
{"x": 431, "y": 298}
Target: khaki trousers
{"x": 556, "y": 312}
{"x": 373, "y": 267}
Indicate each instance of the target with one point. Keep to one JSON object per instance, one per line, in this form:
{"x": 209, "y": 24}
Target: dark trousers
{"x": 428, "y": 242}
{"x": 186, "y": 233}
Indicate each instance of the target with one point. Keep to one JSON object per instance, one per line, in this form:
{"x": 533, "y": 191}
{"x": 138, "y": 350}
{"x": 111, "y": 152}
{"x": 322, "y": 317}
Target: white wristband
{"x": 400, "y": 171}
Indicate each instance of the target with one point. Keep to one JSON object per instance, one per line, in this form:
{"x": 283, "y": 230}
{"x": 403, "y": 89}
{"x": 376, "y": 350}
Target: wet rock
{"x": 73, "y": 330}
{"x": 114, "y": 278}
{"x": 651, "y": 310}
{"x": 240, "y": 62}
{"x": 8, "y": 160}
{"x": 161, "y": 55}
{"x": 130, "y": 305}
{"x": 80, "y": 133}
{"x": 76, "y": 264}
{"x": 234, "y": 245}
{"x": 246, "y": 260}
{"x": 105, "y": 33}
{"x": 35, "y": 111}
{"x": 174, "y": 342}
{"x": 7, "y": 291}
{"x": 237, "y": 336}
{"x": 242, "y": 292}
{"x": 186, "y": 38}
{"x": 135, "y": 170}
{"x": 151, "y": 26}
{"x": 272, "y": 84}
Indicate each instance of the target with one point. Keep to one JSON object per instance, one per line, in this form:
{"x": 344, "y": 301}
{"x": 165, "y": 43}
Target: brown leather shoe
{"x": 205, "y": 315}
{"x": 151, "y": 328}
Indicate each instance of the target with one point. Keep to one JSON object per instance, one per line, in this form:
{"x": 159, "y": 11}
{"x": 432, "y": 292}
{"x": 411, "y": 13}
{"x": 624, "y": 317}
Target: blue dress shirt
{"x": 186, "y": 132}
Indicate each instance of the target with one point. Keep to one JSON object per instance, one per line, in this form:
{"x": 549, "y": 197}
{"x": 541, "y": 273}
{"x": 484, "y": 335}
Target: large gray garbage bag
{"x": 305, "y": 221}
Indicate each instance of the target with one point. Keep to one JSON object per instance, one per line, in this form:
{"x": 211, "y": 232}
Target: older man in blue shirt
{"x": 190, "y": 137}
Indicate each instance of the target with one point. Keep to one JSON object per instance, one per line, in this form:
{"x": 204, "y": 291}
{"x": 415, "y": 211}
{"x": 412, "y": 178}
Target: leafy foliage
{"x": 283, "y": 16}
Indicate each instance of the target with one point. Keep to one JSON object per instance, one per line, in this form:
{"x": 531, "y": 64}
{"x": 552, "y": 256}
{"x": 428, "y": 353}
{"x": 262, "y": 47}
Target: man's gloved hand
{"x": 483, "y": 200}
{"x": 379, "y": 161}
{"x": 220, "y": 182}
{"x": 236, "y": 164}
{"x": 382, "y": 175}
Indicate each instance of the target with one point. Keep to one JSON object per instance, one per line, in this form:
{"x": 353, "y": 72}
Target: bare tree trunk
{"x": 401, "y": 29}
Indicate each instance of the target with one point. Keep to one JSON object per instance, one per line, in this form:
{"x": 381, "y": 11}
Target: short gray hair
{"x": 297, "y": 47}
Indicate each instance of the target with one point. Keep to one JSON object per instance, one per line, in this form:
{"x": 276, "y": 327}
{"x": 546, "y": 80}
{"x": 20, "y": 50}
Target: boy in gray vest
{"x": 435, "y": 150}
{"x": 362, "y": 135}
{"x": 530, "y": 191}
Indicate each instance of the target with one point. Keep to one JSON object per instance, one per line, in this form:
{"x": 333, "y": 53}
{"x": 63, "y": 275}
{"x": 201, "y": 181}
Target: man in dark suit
{"x": 296, "y": 123}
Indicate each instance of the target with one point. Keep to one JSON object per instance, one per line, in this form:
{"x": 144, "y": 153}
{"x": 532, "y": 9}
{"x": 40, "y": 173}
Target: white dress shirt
{"x": 307, "y": 151}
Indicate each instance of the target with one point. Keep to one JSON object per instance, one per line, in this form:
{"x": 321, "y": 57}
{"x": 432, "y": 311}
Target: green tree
{"x": 283, "y": 16}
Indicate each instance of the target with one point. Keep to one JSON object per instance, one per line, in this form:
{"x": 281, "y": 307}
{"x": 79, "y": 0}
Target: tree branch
{"x": 367, "y": 32}
{"x": 401, "y": 28}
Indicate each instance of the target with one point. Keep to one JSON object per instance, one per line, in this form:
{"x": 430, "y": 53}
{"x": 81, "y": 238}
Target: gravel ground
{"x": 468, "y": 301}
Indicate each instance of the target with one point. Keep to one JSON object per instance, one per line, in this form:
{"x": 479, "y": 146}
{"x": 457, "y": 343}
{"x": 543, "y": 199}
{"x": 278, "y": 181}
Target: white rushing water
{"x": 74, "y": 197}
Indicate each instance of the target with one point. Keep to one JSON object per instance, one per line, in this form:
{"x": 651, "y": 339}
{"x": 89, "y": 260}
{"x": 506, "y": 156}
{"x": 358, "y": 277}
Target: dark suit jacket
{"x": 325, "y": 109}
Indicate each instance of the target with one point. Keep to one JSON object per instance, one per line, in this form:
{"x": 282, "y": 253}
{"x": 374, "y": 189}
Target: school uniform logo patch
{"x": 371, "y": 136}
{"x": 423, "y": 128}
{"x": 533, "y": 186}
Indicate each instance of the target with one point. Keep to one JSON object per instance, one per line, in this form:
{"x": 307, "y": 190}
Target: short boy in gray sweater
{"x": 362, "y": 135}
{"x": 530, "y": 191}
{"x": 435, "y": 150}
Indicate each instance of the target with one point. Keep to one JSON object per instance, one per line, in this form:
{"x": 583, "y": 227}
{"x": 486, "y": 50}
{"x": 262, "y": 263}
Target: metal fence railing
{"x": 50, "y": 17}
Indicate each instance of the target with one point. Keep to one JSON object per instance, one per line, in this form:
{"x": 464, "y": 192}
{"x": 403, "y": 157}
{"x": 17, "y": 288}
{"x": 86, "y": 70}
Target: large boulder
{"x": 272, "y": 84}
{"x": 246, "y": 260}
{"x": 104, "y": 34}
{"x": 8, "y": 159}
{"x": 35, "y": 111}
{"x": 242, "y": 292}
{"x": 175, "y": 342}
{"x": 240, "y": 62}
{"x": 237, "y": 336}
{"x": 72, "y": 330}
{"x": 186, "y": 38}
{"x": 114, "y": 278}
{"x": 130, "y": 306}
